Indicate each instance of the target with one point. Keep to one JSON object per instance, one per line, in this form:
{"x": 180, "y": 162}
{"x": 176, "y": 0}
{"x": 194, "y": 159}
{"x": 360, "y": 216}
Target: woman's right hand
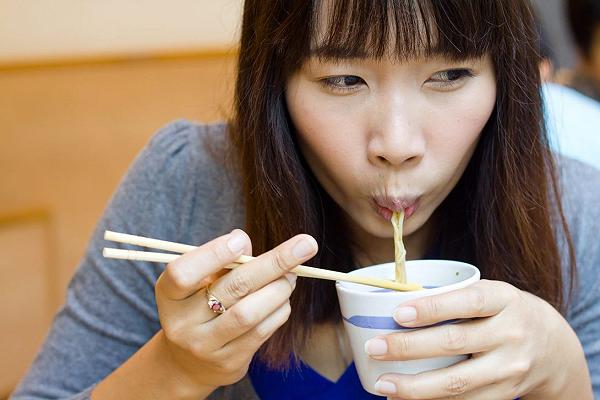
{"x": 216, "y": 349}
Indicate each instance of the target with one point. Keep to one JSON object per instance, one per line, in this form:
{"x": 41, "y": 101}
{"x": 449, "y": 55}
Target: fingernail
{"x": 376, "y": 347}
{"x": 236, "y": 242}
{"x": 385, "y": 387}
{"x": 291, "y": 277}
{"x": 405, "y": 314}
{"x": 303, "y": 249}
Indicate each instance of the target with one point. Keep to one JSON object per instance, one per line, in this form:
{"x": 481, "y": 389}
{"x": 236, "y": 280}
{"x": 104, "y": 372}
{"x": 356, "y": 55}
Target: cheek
{"x": 323, "y": 133}
{"x": 455, "y": 128}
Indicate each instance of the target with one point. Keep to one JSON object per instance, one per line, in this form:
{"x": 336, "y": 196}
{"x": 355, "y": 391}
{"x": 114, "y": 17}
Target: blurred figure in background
{"x": 584, "y": 19}
{"x": 572, "y": 119}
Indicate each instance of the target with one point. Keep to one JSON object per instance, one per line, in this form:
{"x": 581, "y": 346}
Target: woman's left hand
{"x": 519, "y": 345}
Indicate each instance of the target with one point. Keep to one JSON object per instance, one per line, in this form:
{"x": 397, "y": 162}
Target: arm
{"x": 150, "y": 374}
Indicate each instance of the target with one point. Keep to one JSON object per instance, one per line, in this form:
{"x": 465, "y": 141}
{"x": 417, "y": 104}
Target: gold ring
{"x": 214, "y": 304}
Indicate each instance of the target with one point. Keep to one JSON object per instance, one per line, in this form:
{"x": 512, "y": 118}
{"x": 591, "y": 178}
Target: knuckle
{"x": 279, "y": 262}
{"x": 176, "y": 273}
{"x": 521, "y": 368}
{"x": 176, "y": 333}
{"x": 407, "y": 390}
{"x": 262, "y": 332}
{"x": 478, "y": 301}
{"x": 286, "y": 289}
{"x": 457, "y": 385}
{"x": 198, "y": 349}
{"x": 218, "y": 253}
{"x": 242, "y": 318}
{"x": 225, "y": 365}
{"x": 400, "y": 345}
{"x": 239, "y": 286}
{"x": 510, "y": 292}
{"x": 515, "y": 335}
{"x": 432, "y": 307}
{"x": 515, "y": 294}
{"x": 454, "y": 338}
{"x": 287, "y": 310}
{"x": 171, "y": 335}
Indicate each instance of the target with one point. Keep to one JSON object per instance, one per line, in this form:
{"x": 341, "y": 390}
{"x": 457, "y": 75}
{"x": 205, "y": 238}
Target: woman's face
{"x": 382, "y": 136}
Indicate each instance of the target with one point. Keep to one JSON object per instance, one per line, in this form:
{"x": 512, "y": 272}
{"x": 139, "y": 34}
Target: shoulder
{"x": 181, "y": 144}
{"x": 185, "y": 176}
{"x": 580, "y": 194}
{"x": 579, "y": 185}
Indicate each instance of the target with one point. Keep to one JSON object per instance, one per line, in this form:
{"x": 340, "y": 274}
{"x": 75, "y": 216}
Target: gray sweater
{"x": 179, "y": 189}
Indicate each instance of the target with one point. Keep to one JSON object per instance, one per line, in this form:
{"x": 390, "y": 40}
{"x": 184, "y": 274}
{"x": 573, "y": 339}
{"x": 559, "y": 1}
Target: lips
{"x": 386, "y": 206}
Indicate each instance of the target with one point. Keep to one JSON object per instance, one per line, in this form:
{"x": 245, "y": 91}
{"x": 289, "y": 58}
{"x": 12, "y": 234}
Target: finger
{"x": 467, "y": 337}
{"x": 194, "y": 311}
{"x": 481, "y": 299}
{"x": 247, "y": 314}
{"x": 249, "y": 342}
{"x": 456, "y": 380}
{"x": 264, "y": 269}
{"x": 496, "y": 391}
{"x": 187, "y": 274}
{"x": 212, "y": 278}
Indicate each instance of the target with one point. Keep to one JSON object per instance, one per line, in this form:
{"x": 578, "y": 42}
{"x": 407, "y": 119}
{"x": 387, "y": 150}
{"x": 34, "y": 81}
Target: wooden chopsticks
{"x": 301, "y": 270}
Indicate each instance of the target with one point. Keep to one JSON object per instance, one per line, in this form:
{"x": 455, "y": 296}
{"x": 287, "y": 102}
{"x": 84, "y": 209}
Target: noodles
{"x": 399, "y": 250}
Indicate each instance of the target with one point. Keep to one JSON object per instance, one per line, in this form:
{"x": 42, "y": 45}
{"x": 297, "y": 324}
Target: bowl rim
{"x": 341, "y": 286}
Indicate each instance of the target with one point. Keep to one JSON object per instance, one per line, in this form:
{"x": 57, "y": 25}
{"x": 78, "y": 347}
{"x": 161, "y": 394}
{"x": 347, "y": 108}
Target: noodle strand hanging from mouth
{"x": 399, "y": 250}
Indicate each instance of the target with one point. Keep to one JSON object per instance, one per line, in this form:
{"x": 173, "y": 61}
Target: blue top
{"x": 304, "y": 382}
{"x": 178, "y": 190}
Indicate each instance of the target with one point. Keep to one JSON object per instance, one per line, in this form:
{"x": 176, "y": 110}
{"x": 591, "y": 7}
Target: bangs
{"x": 399, "y": 29}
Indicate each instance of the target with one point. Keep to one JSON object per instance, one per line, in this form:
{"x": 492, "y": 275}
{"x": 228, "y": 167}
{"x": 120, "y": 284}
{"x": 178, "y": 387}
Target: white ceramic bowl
{"x": 367, "y": 312}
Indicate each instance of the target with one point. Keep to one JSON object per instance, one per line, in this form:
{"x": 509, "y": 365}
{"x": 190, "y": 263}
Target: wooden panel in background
{"x": 69, "y": 133}
{"x": 26, "y": 288}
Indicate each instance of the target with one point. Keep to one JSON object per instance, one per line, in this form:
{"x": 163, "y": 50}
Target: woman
{"x": 346, "y": 111}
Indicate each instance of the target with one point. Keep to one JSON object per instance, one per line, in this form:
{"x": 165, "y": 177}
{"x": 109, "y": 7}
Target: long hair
{"x": 500, "y": 216}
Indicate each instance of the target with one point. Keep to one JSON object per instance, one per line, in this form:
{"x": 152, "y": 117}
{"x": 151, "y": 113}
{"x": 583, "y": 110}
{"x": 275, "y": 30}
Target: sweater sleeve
{"x": 110, "y": 310}
{"x": 581, "y": 198}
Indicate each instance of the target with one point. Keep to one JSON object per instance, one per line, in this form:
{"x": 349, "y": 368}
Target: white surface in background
{"x": 41, "y": 29}
{"x": 573, "y": 123}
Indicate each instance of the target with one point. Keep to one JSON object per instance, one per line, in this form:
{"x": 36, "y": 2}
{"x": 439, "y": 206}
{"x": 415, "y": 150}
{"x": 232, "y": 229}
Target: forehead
{"x": 400, "y": 30}
{"x": 372, "y": 29}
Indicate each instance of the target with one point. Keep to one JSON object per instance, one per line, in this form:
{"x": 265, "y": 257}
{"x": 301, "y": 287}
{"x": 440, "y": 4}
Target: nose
{"x": 397, "y": 137}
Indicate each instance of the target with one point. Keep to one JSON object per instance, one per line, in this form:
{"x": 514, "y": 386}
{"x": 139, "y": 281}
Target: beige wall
{"x": 47, "y": 29}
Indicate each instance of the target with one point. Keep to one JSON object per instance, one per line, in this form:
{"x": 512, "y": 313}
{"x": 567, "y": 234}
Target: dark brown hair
{"x": 499, "y": 216}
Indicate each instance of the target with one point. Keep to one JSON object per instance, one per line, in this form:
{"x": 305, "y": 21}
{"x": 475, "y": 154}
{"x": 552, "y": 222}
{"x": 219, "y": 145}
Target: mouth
{"x": 386, "y": 206}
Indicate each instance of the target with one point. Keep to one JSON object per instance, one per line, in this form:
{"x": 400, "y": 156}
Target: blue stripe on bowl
{"x": 370, "y": 322}
{"x": 391, "y": 290}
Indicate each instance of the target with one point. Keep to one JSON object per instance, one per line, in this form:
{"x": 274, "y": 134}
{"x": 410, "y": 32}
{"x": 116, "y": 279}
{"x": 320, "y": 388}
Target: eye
{"x": 343, "y": 83}
{"x": 450, "y": 78}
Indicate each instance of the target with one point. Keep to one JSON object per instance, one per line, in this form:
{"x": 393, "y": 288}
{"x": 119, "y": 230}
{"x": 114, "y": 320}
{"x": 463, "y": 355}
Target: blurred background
{"x": 83, "y": 85}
